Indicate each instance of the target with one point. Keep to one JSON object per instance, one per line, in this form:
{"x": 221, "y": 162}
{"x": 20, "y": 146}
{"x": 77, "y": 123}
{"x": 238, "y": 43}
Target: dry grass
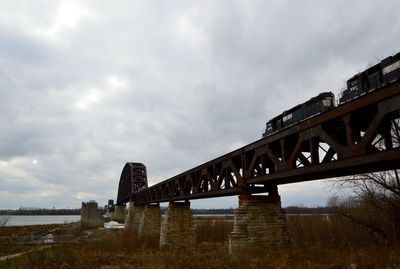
{"x": 213, "y": 230}
{"x": 204, "y": 255}
{"x": 319, "y": 243}
{"x": 326, "y": 231}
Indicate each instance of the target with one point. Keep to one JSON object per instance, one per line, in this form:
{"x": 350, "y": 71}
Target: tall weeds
{"x": 319, "y": 242}
{"x": 213, "y": 230}
{"x": 305, "y": 230}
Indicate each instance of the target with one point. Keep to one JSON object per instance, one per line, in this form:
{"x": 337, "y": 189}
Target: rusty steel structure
{"x": 355, "y": 137}
{"x": 133, "y": 179}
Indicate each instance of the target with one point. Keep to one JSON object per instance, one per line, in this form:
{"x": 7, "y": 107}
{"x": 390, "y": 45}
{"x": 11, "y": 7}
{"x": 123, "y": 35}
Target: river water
{"x": 42, "y": 219}
{"x": 57, "y": 219}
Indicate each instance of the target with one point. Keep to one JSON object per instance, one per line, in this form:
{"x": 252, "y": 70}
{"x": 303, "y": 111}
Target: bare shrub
{"x": 4, "y": 220}
{"x": 375, "y": 204}
{"x": 328, "y": 231}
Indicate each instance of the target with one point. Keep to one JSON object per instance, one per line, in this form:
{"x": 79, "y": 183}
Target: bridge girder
{"x": 133, "y": 179}
{"x": 355, "y": 137}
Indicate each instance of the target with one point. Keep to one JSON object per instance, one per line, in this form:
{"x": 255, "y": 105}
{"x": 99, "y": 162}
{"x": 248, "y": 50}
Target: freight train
{"x": 375, "y": 77}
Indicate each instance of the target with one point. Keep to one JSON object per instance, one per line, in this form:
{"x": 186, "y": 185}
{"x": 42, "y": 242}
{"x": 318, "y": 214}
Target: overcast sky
{"x": 87, "y": 86}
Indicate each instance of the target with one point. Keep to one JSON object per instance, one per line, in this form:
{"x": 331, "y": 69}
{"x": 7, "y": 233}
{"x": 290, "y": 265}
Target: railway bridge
{"x": 354, "y": 137}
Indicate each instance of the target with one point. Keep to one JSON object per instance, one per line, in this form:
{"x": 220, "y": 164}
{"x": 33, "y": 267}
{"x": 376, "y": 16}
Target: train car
{"x": 387, "y": 71}
{"x": 318, "y": 104}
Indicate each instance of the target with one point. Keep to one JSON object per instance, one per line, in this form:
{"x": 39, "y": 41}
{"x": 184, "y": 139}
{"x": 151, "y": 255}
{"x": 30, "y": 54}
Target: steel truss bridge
{"x": 356, "y": 137}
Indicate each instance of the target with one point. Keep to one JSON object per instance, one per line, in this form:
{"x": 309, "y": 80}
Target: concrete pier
{"x": 119, "y": 213}
{"x": 149, "y": 224}
{"x": 259, "y": 221}
{"x": 177, "y": 228}
{"x": 133, "y": 216}
{"x": 90, "y": 216}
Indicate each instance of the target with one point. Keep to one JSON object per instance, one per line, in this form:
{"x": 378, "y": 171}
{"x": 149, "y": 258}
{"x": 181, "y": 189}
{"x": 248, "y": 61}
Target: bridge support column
{"x": 149, "y": 224}
{"x": 259, "y": 221}
{"x": 119, "y": 213}
{"x": 177, "y": 228}
{"x": 133, "y": 216}
{"x": 90, "y": 216}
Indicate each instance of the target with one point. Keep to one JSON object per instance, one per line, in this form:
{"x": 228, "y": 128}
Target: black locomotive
{"x": 318, "y": 104}
{"x": 385, "y": 72}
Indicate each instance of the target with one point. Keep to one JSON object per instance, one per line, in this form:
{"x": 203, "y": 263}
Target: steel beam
{"x": 353, "y": 138}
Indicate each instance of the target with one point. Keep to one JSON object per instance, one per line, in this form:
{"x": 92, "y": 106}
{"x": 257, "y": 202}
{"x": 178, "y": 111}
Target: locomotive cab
{"x": 268, "y": 127}
{"x": 273, "y": 125}
{"x": 328, "y": 102}
{"x": 354, "y": 88}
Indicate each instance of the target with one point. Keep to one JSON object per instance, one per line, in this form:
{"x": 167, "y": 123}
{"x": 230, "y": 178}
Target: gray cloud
{"x": 88, "y": 85}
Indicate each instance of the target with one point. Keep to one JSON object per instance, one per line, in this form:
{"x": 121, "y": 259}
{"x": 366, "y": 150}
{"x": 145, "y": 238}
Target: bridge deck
{"x": 355, "y": 137}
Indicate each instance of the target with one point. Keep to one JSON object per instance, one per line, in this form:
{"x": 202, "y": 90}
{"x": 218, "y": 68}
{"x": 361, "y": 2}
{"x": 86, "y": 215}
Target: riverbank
{"x": 30, "y": 230}
{"x": 317, "y": 243}
{"x": 27, "y": 232}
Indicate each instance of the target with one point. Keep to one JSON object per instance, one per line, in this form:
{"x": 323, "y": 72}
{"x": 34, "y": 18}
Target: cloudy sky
{"x": 87, "y": 86}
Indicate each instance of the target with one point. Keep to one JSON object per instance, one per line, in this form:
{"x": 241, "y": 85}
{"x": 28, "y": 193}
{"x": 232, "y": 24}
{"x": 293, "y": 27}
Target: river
{"x": 39, "y": 219}
{"x": 19, "y": 220}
